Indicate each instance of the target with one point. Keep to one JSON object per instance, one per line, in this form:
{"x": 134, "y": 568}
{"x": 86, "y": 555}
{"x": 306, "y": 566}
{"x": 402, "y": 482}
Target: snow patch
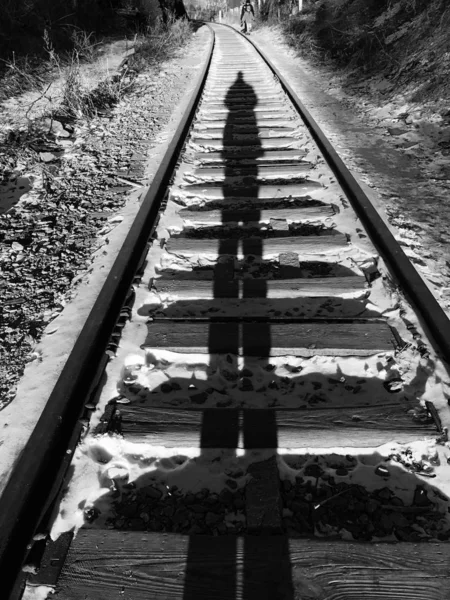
{"x": 39, "y": 592}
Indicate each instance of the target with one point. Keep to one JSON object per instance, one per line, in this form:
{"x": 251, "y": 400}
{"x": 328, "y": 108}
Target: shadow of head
{"x": 366, "y": 497}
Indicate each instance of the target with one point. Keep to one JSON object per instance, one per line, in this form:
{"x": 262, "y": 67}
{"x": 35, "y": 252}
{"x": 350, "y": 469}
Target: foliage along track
{"x": 271, "y": 398}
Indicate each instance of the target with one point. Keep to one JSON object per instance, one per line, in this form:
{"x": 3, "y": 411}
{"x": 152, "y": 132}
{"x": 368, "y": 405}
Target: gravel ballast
{"x": 83, "y": 183}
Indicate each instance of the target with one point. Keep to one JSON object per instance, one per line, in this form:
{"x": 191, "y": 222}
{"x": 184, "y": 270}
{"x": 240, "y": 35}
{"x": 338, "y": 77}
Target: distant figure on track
{"x": 247, "y": 16}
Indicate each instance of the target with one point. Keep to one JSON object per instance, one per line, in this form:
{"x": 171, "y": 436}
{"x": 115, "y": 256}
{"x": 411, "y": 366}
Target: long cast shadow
{"x": 220, "y": 428}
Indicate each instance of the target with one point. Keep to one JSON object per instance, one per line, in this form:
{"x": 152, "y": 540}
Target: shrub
{"x": 160, "y": 43}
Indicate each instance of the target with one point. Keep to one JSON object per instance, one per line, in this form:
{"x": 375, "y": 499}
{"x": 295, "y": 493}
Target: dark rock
{"x": 136, "y": 524}
{"x": 372, "y": 505}
{"x": 363, "y": 519}
{"x": 212, "y": 518}
{"x": 226, "y": 497}
{"x": 300, "y": 507}
{"x": 403, "y": 534}
{"x": 221, "y": 528}
{"x": 151, "y": 492}
{"x": 399, "y": 520}
{"x": 155, "y": 525}
{"x": 246, "y": 385}
{"x": 198, "y": 508}
{"x": 168, "y": 511}
{"x": 341, "y": 471}
{"x": 180, "y": 516}
{"x": 200, "y": 398}
{"x": 129, "y": 510}
{"x": 196, "y": 529}
{"x": 395, "y": 501}
{"x": 421, "y": 497}
{"x": 224, "y": 403}
{"x": 231, "y": 483}
{"x": 246, "y": 373}
{"x": 384, "y": 494}
{"x": 229, "y": 375}
{"x": 382, "y": 471}
{"x": 385, "y": 523}
{"x": 312, "y": 470}
{"x": 286, "y": 485}
{"x": 239, "y": 503}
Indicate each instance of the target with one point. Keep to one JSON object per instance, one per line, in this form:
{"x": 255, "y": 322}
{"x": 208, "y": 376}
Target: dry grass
{"x": 403, "y": 40}
{"x": 19, "y": 74}
{"x": 73, "y": 84}
{"x": 160, "y": 43}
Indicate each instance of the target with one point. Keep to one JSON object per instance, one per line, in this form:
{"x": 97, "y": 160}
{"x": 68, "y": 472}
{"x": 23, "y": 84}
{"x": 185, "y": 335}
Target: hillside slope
{"x": 406, "y": 41}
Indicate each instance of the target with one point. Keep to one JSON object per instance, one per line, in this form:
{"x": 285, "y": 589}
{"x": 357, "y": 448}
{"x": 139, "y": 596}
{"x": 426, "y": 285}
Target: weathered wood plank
{"x": 259, "y": 142}
{"x": 239, "y": 100}
{"x": 242, "y": 123}
{"x": 245, "y": 156}
{"x": 229, "y": 74}
{"x": 326, "y": 287}
{"x": 272, "y": 192}
{"x": 266, "y": 249}
{"x": 218, "y": 132}
{"x": 248, "y": 137}
{"x": 248, "y": 103}
{"x": 220, "y": 84}
{"x": 228, "y": 77}
{"x": 299, "y": 339}
{"x": 237, "y": 91}
{"x": 218, "y": 217}
{"x": 283, "y": 309}
{"x": 223, "y": 114}
{"x": 226, "y": 173}
{"x": 242, "y": 109}
{"x": 363, "y": 427}
{"x": 141, "y": 566}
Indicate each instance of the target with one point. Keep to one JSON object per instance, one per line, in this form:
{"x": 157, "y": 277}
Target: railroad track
{"x": 262, "y": 356}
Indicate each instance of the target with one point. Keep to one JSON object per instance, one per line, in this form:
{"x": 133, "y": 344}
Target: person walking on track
{"x": 247, "y": 16}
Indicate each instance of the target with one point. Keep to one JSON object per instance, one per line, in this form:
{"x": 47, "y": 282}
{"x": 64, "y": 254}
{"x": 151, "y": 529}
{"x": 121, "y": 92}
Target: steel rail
{"x": 38, "y": 466}
{"x": 427, "y": 307}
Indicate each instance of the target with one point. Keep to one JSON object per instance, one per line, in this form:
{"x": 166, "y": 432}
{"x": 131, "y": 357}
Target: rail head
{"x": 428, "y": 309}
{"x": 37, "y": 471}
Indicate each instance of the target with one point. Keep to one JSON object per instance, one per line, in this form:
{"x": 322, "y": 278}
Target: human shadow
{"x": 259, "y": 426}
{"x": 323, "y": 496}
{"x": 233, "y": 563}
{"x": 259, "y": 566}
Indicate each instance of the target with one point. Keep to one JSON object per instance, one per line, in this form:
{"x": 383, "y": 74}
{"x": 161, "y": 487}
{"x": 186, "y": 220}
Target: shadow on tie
{"x": 228, "y": 567}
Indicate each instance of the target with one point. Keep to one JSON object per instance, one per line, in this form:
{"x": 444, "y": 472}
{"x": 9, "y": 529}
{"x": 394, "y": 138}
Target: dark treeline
{"x": 25, "y": 23}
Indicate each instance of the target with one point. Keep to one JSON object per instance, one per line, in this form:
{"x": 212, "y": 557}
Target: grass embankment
{"x": 406, "y": 41}
{"x": 49, "y": 230}
{"x": 151, "y": 49}
{"x": 78, "y": 95}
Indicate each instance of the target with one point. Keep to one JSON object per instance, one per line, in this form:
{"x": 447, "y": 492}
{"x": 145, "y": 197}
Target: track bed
{"x": 268, "y": 421}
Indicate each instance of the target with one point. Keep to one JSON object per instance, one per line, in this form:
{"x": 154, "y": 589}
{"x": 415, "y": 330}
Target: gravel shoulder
{"x": 73, "y": 217}
{"x": 397, "y": 151}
